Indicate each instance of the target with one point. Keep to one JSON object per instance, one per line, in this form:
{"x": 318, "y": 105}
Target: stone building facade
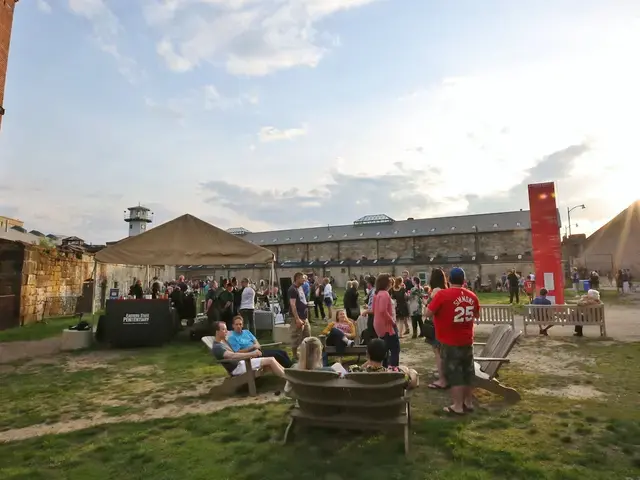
{"x": 485, "y": 245}
{"x": 6, "y": 23}
{"x": 37, "y": 282}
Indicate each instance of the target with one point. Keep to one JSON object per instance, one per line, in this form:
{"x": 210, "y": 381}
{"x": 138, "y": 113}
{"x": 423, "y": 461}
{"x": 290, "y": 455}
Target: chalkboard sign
{"x": 114, "y": 293}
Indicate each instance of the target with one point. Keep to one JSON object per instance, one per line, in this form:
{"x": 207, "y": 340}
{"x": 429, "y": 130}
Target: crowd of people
{"x": 442, "y": 311}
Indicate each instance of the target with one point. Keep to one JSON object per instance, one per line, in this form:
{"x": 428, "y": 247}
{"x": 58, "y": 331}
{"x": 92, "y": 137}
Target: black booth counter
{"x": 138, "y": 323}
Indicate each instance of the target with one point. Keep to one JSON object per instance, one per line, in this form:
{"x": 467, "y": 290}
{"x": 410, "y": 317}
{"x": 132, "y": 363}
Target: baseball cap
{"x": 456, "y": 276}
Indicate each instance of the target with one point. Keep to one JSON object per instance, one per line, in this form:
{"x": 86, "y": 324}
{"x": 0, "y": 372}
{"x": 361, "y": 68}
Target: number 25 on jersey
{"x": 464, "y": 314}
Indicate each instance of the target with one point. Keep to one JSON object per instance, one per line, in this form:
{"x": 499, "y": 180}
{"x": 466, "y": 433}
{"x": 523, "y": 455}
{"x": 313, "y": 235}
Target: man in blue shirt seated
{"x": 542, "y": 300}
{"x": 243, "y": 341}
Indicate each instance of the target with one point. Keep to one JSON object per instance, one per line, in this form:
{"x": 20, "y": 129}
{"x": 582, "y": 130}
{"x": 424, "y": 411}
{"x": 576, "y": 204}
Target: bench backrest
{"x": 501, "y": 349}
{"x": 496, "y": 314}
{"x": 376, "y": 396}
{"x": 559, "y": 314}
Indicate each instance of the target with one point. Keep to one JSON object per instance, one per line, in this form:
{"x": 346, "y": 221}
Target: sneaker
{"x": 350, "y": 343}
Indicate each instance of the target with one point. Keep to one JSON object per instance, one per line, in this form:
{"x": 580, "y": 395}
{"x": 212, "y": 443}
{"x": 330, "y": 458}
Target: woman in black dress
{"x": 350, "y": 301}
{"x": 399, "y": 294}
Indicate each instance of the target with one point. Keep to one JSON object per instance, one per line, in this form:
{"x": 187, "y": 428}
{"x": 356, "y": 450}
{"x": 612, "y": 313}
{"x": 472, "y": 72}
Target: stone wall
{"x": 417, "y": 250}
{"x": 52, "y": 280}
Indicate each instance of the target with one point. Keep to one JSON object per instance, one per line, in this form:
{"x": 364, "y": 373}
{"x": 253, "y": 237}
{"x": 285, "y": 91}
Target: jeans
{"x": 416, "y": 321}
{"x": 317, "y": 304}
{"x": 335, "y": 338}
{"x": 514, "y": 292}
{"x": 392, "y": 343}
{"x": 248, "y": 316}
{"x": 281, "y": 357}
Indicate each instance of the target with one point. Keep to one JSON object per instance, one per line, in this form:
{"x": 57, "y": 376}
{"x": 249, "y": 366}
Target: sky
{"x": 272, "y": 114}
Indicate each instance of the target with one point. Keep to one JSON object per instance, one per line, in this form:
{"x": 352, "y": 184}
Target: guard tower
{"x": 138, "y": 218}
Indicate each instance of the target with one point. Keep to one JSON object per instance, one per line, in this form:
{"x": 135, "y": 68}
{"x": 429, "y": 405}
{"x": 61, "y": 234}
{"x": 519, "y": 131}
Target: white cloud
{"x": 205, "y": 98}
{"x": 107, "y": 31}
{"x": 273, "y": 134}
{"x": 43, "y": 6}
{"x": 248, "y": 37}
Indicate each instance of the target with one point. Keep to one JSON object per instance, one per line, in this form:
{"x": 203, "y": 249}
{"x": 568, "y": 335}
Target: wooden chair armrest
{"x": 491, "y": 359}
{"x": 276, "y": 344}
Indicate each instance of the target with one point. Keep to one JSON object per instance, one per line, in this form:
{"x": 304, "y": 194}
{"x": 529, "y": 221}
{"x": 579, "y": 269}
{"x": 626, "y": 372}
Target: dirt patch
{"x": 542, "y": 355}
{"x": 167, "y": 411}
{"x": 92, "y": 360}
{"x": 144, "y": 370}
{"x": 574, "y": 392}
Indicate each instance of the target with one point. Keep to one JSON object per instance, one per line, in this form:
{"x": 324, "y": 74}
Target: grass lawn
{"x": 543, "y": 437}
{"x": 49, "y": 327}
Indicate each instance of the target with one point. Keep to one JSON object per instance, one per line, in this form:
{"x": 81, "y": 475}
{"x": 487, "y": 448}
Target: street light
{"x": 569, "y": 210}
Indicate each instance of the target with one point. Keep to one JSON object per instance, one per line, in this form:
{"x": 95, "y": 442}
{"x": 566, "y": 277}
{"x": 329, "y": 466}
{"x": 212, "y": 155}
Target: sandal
{"x": 468, "y": 409}
{"x": 435, "y": 386}
{"x": 451, "y": 411}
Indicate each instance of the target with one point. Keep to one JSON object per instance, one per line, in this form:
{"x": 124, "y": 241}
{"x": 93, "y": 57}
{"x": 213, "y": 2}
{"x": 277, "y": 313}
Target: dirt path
{"x": 166, "y": 411}
{"x": 14, "y": 351}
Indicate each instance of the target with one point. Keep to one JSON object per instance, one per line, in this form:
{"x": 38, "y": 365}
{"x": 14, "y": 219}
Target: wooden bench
{"x": 494, "y": 353}
{"x": 565, "y": 315}
{"x": 359, "y": 401}
{"x": 232, "y": 384}
{"x": 497, "y": 315}
{"x": 357, "y": 350}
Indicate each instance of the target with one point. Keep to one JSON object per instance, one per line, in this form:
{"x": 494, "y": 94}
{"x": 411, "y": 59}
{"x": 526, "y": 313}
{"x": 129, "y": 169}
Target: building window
{"x": 131, "y": 226}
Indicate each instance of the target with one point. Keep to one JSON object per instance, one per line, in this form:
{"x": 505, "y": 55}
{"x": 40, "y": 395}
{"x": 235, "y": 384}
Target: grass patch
{"x": 87, "y": 383}
{"x": 244, "y": 443}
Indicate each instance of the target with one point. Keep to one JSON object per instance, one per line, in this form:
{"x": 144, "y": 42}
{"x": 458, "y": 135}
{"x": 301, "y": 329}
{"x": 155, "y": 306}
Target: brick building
{"x": 486, "y": 244}
{"x": 6, "y": 21}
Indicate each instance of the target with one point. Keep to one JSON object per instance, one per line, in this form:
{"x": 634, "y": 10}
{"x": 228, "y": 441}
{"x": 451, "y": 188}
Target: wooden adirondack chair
{"x": 232, "y": 384}
{"x": 359, "y": 401}
{"x": 494, "y": 353}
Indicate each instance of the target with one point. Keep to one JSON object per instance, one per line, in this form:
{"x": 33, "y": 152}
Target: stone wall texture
{"x": 415, "y": 253}
{"x": 47, "y": 282}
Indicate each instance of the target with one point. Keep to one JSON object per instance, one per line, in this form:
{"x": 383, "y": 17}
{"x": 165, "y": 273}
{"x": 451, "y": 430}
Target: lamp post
{"x": 569, "y": 210}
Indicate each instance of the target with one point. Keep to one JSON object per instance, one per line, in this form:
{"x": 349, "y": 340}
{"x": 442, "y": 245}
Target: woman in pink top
{"x": 383, "y": 322}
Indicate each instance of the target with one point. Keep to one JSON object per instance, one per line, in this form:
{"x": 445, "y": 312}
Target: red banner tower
{"x": 545, "y": 237}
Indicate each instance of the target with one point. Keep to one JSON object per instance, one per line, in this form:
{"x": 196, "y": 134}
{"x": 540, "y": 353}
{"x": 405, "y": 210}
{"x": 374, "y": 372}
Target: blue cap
{"x": 456, "y": 276}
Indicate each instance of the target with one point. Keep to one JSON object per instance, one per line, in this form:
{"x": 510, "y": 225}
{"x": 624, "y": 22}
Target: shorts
{"x": 328, "y": 301}
{"x": 256, "y": 364}
{"x": 299, "y": 334}
{"x": 457, "y": 364}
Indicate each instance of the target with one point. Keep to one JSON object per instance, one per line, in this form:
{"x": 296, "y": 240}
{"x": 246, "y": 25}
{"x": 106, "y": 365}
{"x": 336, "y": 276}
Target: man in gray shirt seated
{"x": 234, "y": 362}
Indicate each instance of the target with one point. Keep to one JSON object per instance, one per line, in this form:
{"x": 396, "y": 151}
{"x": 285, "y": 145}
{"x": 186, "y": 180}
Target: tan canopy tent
{"x": 186, "y": 240}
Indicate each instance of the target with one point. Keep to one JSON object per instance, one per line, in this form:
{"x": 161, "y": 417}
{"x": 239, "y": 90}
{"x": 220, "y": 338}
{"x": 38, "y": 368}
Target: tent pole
{"x": 147, "y": 284}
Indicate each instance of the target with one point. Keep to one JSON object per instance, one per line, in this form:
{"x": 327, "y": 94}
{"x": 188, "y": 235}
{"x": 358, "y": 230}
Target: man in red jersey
{"x": 454, "y": 311}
